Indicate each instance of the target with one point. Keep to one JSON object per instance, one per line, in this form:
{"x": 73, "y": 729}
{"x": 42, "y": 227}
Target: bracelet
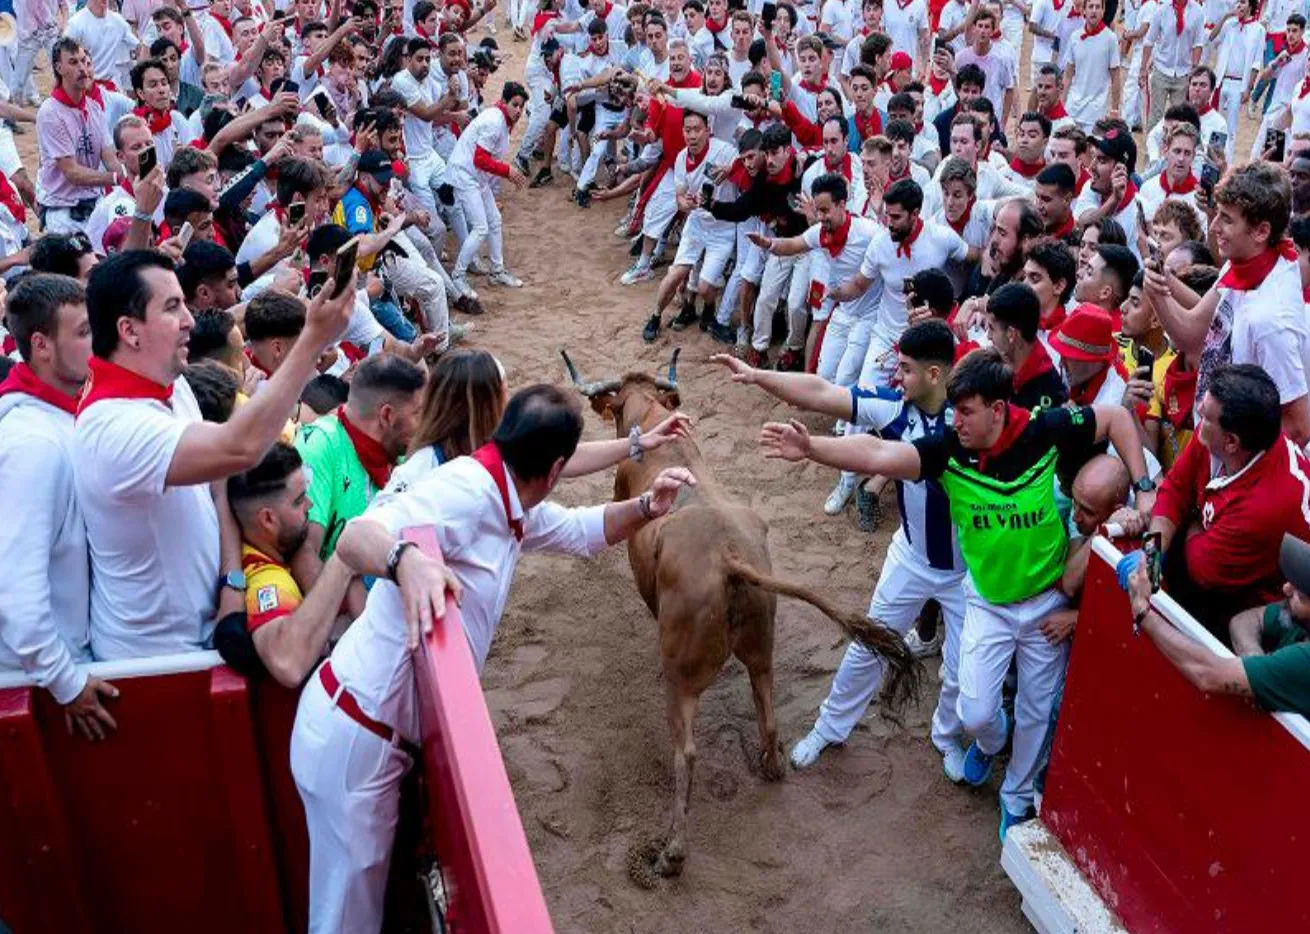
{"x": 393, "y": 558}
{"x": 1139, "y": 618}
{"x": 643, "y": 503}
{"x": 143, "y": 217}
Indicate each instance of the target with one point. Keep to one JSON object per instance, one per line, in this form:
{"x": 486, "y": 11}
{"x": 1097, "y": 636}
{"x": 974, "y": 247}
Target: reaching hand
{"x": 424, "y": 584}
{"x": 677, "y": 425}
{"x": 87, "y": 714}
{"x": 517, "y": 178}
{"x": 1131, "y": 522}
{"x": 426, "y": 344}
{"x": 664, "y": 491}
{"x": 761, "y": 241}
{"x": 327, "y": 317}
{"x": 1137, "y": 392}
{"x": 742, "y": 372}
{"x": 789, "y": 442}
{"x": 149, "y": 191}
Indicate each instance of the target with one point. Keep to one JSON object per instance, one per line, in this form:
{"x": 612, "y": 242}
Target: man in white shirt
{"x": 1111, "y": 192}
{"x": 1290, "y": 68}
{"x": 1177, "y": 181}
{"x": 1241, "y": 39}
{"x": 906, "y": 22}
{"x": 154, "y": 96}
{"x": 44, "y": 618}
{"x": 107, "y": 38}
{"x": 1047, "y": 17}
{"x": 1172, "y": 49}
{"x": 143, "y": 459}
{"x": 357, "y": 721}
{"x": 131, "y": 138}
{"x": 1091, "y": 75}
{"x": 996, "y": 64}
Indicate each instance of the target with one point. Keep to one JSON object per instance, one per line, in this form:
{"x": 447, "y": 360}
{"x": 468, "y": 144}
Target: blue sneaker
{"x": 978, "y": 764}
{"x": 1009, "y": 820}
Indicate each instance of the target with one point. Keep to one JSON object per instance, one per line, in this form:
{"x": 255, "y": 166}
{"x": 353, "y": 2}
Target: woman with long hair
{"x": 462, "y": 404}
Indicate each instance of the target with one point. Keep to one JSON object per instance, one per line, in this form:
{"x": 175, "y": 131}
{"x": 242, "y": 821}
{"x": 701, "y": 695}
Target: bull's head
{"x": 628, "y": 400}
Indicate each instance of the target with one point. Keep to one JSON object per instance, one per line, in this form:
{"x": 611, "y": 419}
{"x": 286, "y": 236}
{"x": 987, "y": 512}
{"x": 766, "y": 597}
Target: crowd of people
{"x": 232, "y": 281}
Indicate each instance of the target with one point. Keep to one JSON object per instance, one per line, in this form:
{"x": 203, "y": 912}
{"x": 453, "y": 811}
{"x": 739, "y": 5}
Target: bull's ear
{"x": 603, "y": 405}
{"x": 670, "y": 399}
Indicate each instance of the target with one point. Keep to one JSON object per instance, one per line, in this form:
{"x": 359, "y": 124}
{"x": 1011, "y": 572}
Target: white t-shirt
{"x": 886, "y": 262}
{"x": 1092, "y": 58}
{"x": 834, "y": 270}
{"x": 109, "y": 41}
{"x": 489, "y": 131}
{"x": 154, "y": 548}
{"x": 999, "y": 68}
{"x": 1171, "y": 52}
{"x": 1089, "y": 200}
{"x": 1045, "y": 16}
{"x": 419, "y": 142}
{"x": 904, "y": 23}
{"x": 443, "y": 135}
{"x": 260, "y": 239}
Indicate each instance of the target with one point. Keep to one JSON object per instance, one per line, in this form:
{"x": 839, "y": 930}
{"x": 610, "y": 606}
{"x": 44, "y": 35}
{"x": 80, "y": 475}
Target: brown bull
{"x": 704, "y": 572}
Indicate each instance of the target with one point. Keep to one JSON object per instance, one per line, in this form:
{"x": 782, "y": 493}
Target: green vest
{"x": 1011, "y": 536}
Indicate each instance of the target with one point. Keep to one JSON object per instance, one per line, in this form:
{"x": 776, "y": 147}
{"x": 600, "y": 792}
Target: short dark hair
{"x": 1059, "y": 175}
{"x": 117, "y": 289}
{"x": 540, "y": 425}
{"x": 59, "y": 253}
{"x": 162, "y": 45}
{"x": 1260, "y": 192}
{"x": 1198, "y": 251}
{"x": 831, "y": 184}
{"x": 1121, "y": 264}
{"x": 33, "y": 307}
{"x": 418, "y": 43}
{"x": 902, "y": 101}
{"x": 138, "y": 73}
{"x": 381, "y": 376}
{"x": 776, "y": 137}
{"x": 326, "y": 238}
{"x": 905, "y": 193}
{"x": 215, "y": 388}
{"x": 1184, "y": 113}
{"x": 181, "y": 203}
{"x": 325, "y": 392}
{"x": 971, "y": 75}
{"x": 1040, "y": 119}
{"x": 1016, "y": 305}
{"x": 203, "y": 261}
{"x": 1249, "y": 399}
{"x": 273, "y": 314}
{"x": 266, "y": 478}
{"x": 209, "y": 333}
{"x": 929, "y": 342}
{"x": 298, "y": 177}
{"x": 1059, "y": 262}
{"x": 983, "y": 373}
{"x": 935, "y": 288}
{"x": 872, "y": 48}
{"x": 511, "y": 90}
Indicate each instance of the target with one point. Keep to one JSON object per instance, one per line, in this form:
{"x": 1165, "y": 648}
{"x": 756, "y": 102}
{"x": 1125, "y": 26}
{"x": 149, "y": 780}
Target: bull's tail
{"x": 901, "y": 686}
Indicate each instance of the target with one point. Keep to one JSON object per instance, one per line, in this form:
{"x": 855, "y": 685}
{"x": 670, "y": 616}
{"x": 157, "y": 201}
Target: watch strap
{"x": 394, "y": 556}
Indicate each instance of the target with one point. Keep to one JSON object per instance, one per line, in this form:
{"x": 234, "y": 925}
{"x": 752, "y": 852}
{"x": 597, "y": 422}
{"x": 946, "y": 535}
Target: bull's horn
{"x": 670, "y": 384}
{"x": 588, "y": 389}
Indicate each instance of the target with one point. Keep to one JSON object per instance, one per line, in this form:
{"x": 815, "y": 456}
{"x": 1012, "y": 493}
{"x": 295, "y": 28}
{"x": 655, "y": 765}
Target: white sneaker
{"x": 503, "y": 276}
{"x": 920, "y": 649}
{"x": 840, "y": 495}
{"x": 478, "y": 267}
{"x": 462, "y": 286}
{"x": 953, "y": 763}
{"x": 457, "y": 332}
{"x": 622, "y": 229}
{"x": 638, "y": 273}
{"x": 805, "y": 753}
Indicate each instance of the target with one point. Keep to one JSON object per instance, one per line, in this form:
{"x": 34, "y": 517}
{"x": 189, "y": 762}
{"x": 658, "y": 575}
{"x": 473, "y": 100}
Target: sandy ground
{"x": 872, "y": 839}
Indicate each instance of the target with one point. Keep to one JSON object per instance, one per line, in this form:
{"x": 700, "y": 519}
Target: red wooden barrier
{"x": 1182, "y": 809}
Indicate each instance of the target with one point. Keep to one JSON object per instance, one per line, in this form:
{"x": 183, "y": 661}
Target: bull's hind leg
{"x": 762, "y": 692}
{"x": 682, "y": 702}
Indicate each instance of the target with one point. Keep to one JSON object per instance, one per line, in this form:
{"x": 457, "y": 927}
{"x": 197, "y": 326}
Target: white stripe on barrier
{"x": 1185, "y": 623}
{"x": 130, "y": 668}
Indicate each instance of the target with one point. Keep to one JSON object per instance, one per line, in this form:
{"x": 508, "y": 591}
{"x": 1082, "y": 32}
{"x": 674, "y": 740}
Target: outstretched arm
{"x": 592, "y": 456}
{"x": 862, "y": 454}
{"x": 803, "y": 390}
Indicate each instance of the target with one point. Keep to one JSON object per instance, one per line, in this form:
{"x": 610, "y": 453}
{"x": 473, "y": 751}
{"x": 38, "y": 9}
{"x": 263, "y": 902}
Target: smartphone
{"x": 148, "y": 159}
{"x": 1277, "y": 141}
{"x": 768, "y": 13}
{"x": 1145, "y": 359}
{"x": 1218, "y": 141}
{"x": 1154, "y": 558}
{"x": 1209, "y": 175}
{"x": 347, "y": 257}
{"x": 775, "y": 85}
{"x": 739, "y": 102}
{"x": 707, "y": 194}
{"x": 1153, "y": 251}
{"x": 184, "y": 235}
{"x": 317, "y": 279}
{"x": 280, "y": 15}
{"x": 296, "y": 213}
{"x": 280, "y": 85}
{"x": 907, "y": 285}
{"x": 940, "y": 45}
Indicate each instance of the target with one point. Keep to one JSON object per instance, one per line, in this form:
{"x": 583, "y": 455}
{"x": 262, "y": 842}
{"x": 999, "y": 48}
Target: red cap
{"x": 901, "y": 61}
{"x": 1087, "y": 334}
{"x": 399, "y": 169}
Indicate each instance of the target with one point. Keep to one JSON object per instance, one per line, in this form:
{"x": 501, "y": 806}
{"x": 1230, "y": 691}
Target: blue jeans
{"x": 390, "y": 317}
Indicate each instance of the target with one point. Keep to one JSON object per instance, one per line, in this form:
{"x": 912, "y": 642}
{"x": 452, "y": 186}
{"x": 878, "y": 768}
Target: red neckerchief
{"x": 372, "y": 457}
{"x": 22, "y": 379}
{"x": 541, "y": 19}
{"x": 893, "y": 177}
{"x": 691, "y": 81}
{"x": 250, "y": 354}
{"x": 605, "y": 13}
{"x": 694, "y": 161}
{"x": 1058, "y": 5}
{"x": 937, "y": 84}
{"x": 59, "y": 94}
{"x": 870, "y": 126}
{"x": 1086, "y": 393}
{"x": 1065, "y": 229}
{"x": 224, "y": 22}
{"x": 1027, "y": 169}
{"x": 509, "y": 121}
{"x": 738, "y": 175}
{"x": 844, "y": 167}
{"x": 489, "y": 456}
{"x": 159, "y": 120}
{"x": 835, "y": 242}
{"x": 1186, "y": 186}
{"x": 1054, "y": 319}
{"x": 711, "y": 25}
{"x": 958, "y": 226}
{"x": 1057, "y": 112}
{"x": 1016, "y": 420}
{"x": 903, "y": 248}
{"x": 1035, "y": 364}
{"x": 1305, "y": 294}
{"x": 1089, "y": 31}
{"x": 1084, "y": 177}
{"x": 107, "y": 380}
{"x": 1180, "y": 7}
{"x": 816, "y": 87}
{"x": 1296, "y": 49}
{"x": 785, "y": 176}
{"x": 1130, "y": 192}
{"x": 424, "y": 34}
{"x": 1179, "y": 394}
{"x": 1244, "y": 275}
{"x": 1305, "y": 88}
{"x": 11, "y": 200}
{"x": 1209, "y": 106}
{"x": 903, "y": 4}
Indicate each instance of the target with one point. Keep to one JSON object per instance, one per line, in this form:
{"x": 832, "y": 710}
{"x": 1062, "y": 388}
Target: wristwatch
{"x": 1144, "y": 485}
{"x": 393, "y": 558}
{"x": 234, "y": 579}
{"x": 634, "y": 444}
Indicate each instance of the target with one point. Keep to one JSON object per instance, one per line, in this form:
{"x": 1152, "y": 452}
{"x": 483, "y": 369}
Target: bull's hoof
{"x": 771, "y": 764}
{"x": 669, "y": 863}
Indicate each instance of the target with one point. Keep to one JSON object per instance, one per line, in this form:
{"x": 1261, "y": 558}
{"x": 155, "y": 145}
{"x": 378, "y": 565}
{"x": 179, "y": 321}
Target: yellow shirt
{"x": 271, "y": 591}
{"x": 1172, "y": 438}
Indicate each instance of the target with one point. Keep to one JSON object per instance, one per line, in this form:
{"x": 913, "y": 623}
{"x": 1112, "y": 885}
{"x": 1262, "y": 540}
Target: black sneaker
{"x": 635, "y": 249}
{"x": 651, "y": 330}
{"x": 868, "y": 510}
{"x": 706, "y": 317}
{"x": 543, "y": 178}
{"x": 789, "y": 361}
{"x": 723, "y": 333}
{"x": 583, "y": 197}
{"x": 686, "y": 318}
{"x": 522, "y": 164}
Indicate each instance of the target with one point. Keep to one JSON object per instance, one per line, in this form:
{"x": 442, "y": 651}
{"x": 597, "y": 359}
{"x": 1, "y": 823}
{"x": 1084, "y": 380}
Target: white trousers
{"x": 845, "y": 343}
{"x": 879, "y": 362}
{"x": 783, "y": 276}
{"x": 1230, "y": 105}
{"x": 706, "y": 244}
{"x": 412, "y": 279}
{"x": 479, "y": 205}
{"x": 606, "y": 120}
{"x": 993, "y": 635}
{"x": 661, "y": 208}
{"x": 540, "y": 84}
{"x": 904, "y": 586}
{"x": 349, "y": 781}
